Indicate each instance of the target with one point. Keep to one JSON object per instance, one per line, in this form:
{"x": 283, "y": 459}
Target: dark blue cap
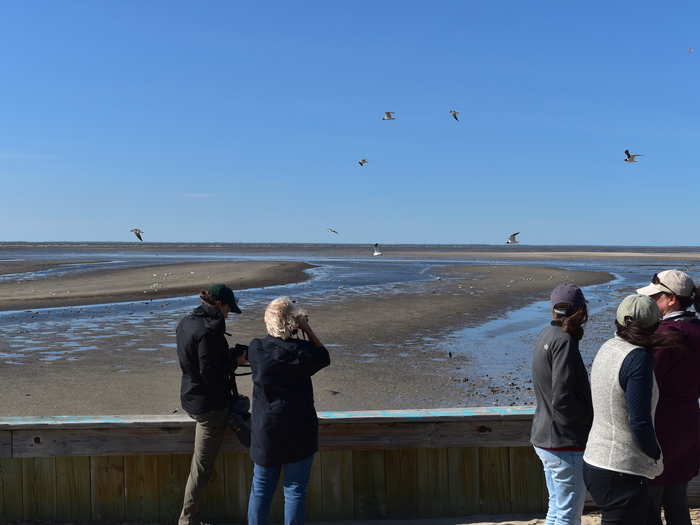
{"x": 568, "y": 294}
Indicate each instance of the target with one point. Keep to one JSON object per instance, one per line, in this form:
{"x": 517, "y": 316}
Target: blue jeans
{"x": 563, "y": 473}
{"x": 296, "y": 477}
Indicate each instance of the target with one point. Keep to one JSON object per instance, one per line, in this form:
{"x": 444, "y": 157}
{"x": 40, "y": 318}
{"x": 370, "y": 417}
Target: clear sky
{"x": 243, "y": 122}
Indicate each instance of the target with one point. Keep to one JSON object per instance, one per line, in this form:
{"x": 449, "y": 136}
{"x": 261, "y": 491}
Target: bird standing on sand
{"x": 362, "y": 162}
{"x": 331, "y": 230}
{"x": 376, "y": 251}
{"x": 138, "y": 233}
{"x": 629, "y": 157}
{"x": 454, "y": 114}
{"x": 389, "y": 115}
{"x": 512, "y": 239}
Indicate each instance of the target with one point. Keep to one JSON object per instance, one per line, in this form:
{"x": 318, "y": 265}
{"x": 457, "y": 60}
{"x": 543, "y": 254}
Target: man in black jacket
{"x": 207, "y": 366}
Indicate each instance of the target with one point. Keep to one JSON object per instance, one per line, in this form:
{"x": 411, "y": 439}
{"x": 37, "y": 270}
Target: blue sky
{"x": 233, "y": 122}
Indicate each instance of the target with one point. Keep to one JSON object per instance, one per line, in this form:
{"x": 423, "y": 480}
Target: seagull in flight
{"x": 362, "y": 162}
{"x": 454, "y": 114}
{"x": 138, "y": 233}
{"x": 512, "y": 239}
{"x": 331, "y": 230}
{"x": 389, "y": 115}
{"x": 376, "y": 251}
{"x": 629, "y": 157}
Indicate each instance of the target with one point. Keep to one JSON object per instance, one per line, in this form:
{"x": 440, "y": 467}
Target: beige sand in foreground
{"x": 151, "y": 282}
{"x": 380, "y": 357}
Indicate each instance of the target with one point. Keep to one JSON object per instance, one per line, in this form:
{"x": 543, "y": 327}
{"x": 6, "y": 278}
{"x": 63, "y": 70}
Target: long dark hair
{"x": 647, "y": 337}
{"x": 572, "y": 323}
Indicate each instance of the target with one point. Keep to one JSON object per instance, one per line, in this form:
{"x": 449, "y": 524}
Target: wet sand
{"x": 133, "y": 284}
{"x": 380, "y": 358}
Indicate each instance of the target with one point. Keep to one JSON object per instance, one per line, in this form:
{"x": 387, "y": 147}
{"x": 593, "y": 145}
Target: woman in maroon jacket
{"x": 677, "y": 372}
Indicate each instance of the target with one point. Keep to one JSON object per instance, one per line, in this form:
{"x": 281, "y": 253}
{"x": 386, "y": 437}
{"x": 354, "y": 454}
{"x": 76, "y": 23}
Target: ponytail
{"x": 573, "y": 323}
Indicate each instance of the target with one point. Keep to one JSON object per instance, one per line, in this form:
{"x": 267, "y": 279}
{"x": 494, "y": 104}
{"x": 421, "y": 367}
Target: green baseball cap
{"x": 640, "y": 308}
{"x": 221, "y": 292}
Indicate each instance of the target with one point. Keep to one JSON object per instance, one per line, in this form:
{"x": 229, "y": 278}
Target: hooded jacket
{"x": 284, "y": 422}
{"x": 206, "y": 362}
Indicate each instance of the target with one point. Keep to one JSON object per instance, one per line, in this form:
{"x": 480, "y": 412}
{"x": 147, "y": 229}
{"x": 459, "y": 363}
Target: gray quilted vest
{"x": 611, "y": 444}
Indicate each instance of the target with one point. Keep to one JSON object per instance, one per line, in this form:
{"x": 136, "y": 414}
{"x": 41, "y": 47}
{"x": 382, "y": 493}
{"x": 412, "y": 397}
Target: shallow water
{"x": 498, "y": 351}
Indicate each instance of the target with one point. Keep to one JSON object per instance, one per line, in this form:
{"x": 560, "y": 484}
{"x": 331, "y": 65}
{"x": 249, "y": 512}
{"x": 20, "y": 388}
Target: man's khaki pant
{"x": 209, "y": 435}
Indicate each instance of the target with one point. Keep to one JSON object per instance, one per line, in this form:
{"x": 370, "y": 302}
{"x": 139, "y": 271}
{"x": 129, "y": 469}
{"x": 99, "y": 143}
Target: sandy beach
{"x": 403, "y": 371}
{"x": 135, "y": 284}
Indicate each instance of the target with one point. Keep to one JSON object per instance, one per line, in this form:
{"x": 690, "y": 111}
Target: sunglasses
{"x": 656, "y": 280}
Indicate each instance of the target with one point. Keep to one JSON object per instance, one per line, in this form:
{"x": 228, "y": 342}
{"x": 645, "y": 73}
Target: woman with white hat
{"x": 677, "y": 372}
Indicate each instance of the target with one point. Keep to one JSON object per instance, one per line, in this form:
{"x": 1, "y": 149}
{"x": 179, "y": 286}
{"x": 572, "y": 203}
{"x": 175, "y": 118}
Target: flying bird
{"x": 454, "y": 114}
{"x": 389, "y": 115}
{"x": 512, "y": 239}
{"x": 331, "y": 230}
{"x": 362, "y": 162}
{"x": 629, "y": 157}
{"x": 138, "y": 233}
{"x": 376, "y": 251}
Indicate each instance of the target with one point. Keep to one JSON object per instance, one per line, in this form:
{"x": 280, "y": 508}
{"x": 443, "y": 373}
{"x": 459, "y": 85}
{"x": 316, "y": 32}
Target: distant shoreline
{"x": 398, "y": 251}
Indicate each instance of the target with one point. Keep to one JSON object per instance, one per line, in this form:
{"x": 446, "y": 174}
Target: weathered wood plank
{"x": 141, "y": 494}
{"x": 238, "y": 470}
{"x": 214, "y": 497}
{"x": 369, "y": 484}
{"x": 494, "y": 480}
{"x": 384, "y": 436}
{"x": 527, "y": 486}
{"x": 73, "y": 494}
{"x": 109, "y": 442}
{"x": 107, "y": 481}
{"x": 314, "y": 491}
{"x": 336, "y": 468}
{"x": 401, "y": 475}
{"x": 39, "y": 488}
{"x": 173, "y": 471}
{"x": 694, "y": 492}
{"x": 351, "y": 436}
{"x": 11, "y": 493}
{"x": 463, "y": 480}
{"x": 433, "y": 484}
{"x": 6, "y": 444}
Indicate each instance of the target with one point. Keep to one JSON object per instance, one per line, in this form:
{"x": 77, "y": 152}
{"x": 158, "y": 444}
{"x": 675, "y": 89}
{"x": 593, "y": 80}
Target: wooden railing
{"x": 375, "y": 464}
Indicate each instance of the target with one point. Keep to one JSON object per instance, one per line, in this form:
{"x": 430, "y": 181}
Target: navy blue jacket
{"x": 284, "y": 422}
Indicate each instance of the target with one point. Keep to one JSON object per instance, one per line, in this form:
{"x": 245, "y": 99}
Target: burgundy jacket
{"x": 677, "y": 415}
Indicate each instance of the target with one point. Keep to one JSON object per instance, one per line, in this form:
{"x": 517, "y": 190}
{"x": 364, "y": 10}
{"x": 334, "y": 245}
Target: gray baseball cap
{"x": 640, "y": 308}
{"x": 569, "y": 294}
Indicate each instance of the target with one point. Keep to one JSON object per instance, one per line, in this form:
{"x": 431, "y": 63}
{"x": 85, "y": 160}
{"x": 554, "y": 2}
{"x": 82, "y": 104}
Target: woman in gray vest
{"x": 622, "y": 452}
{"x": 564, "y": 413}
